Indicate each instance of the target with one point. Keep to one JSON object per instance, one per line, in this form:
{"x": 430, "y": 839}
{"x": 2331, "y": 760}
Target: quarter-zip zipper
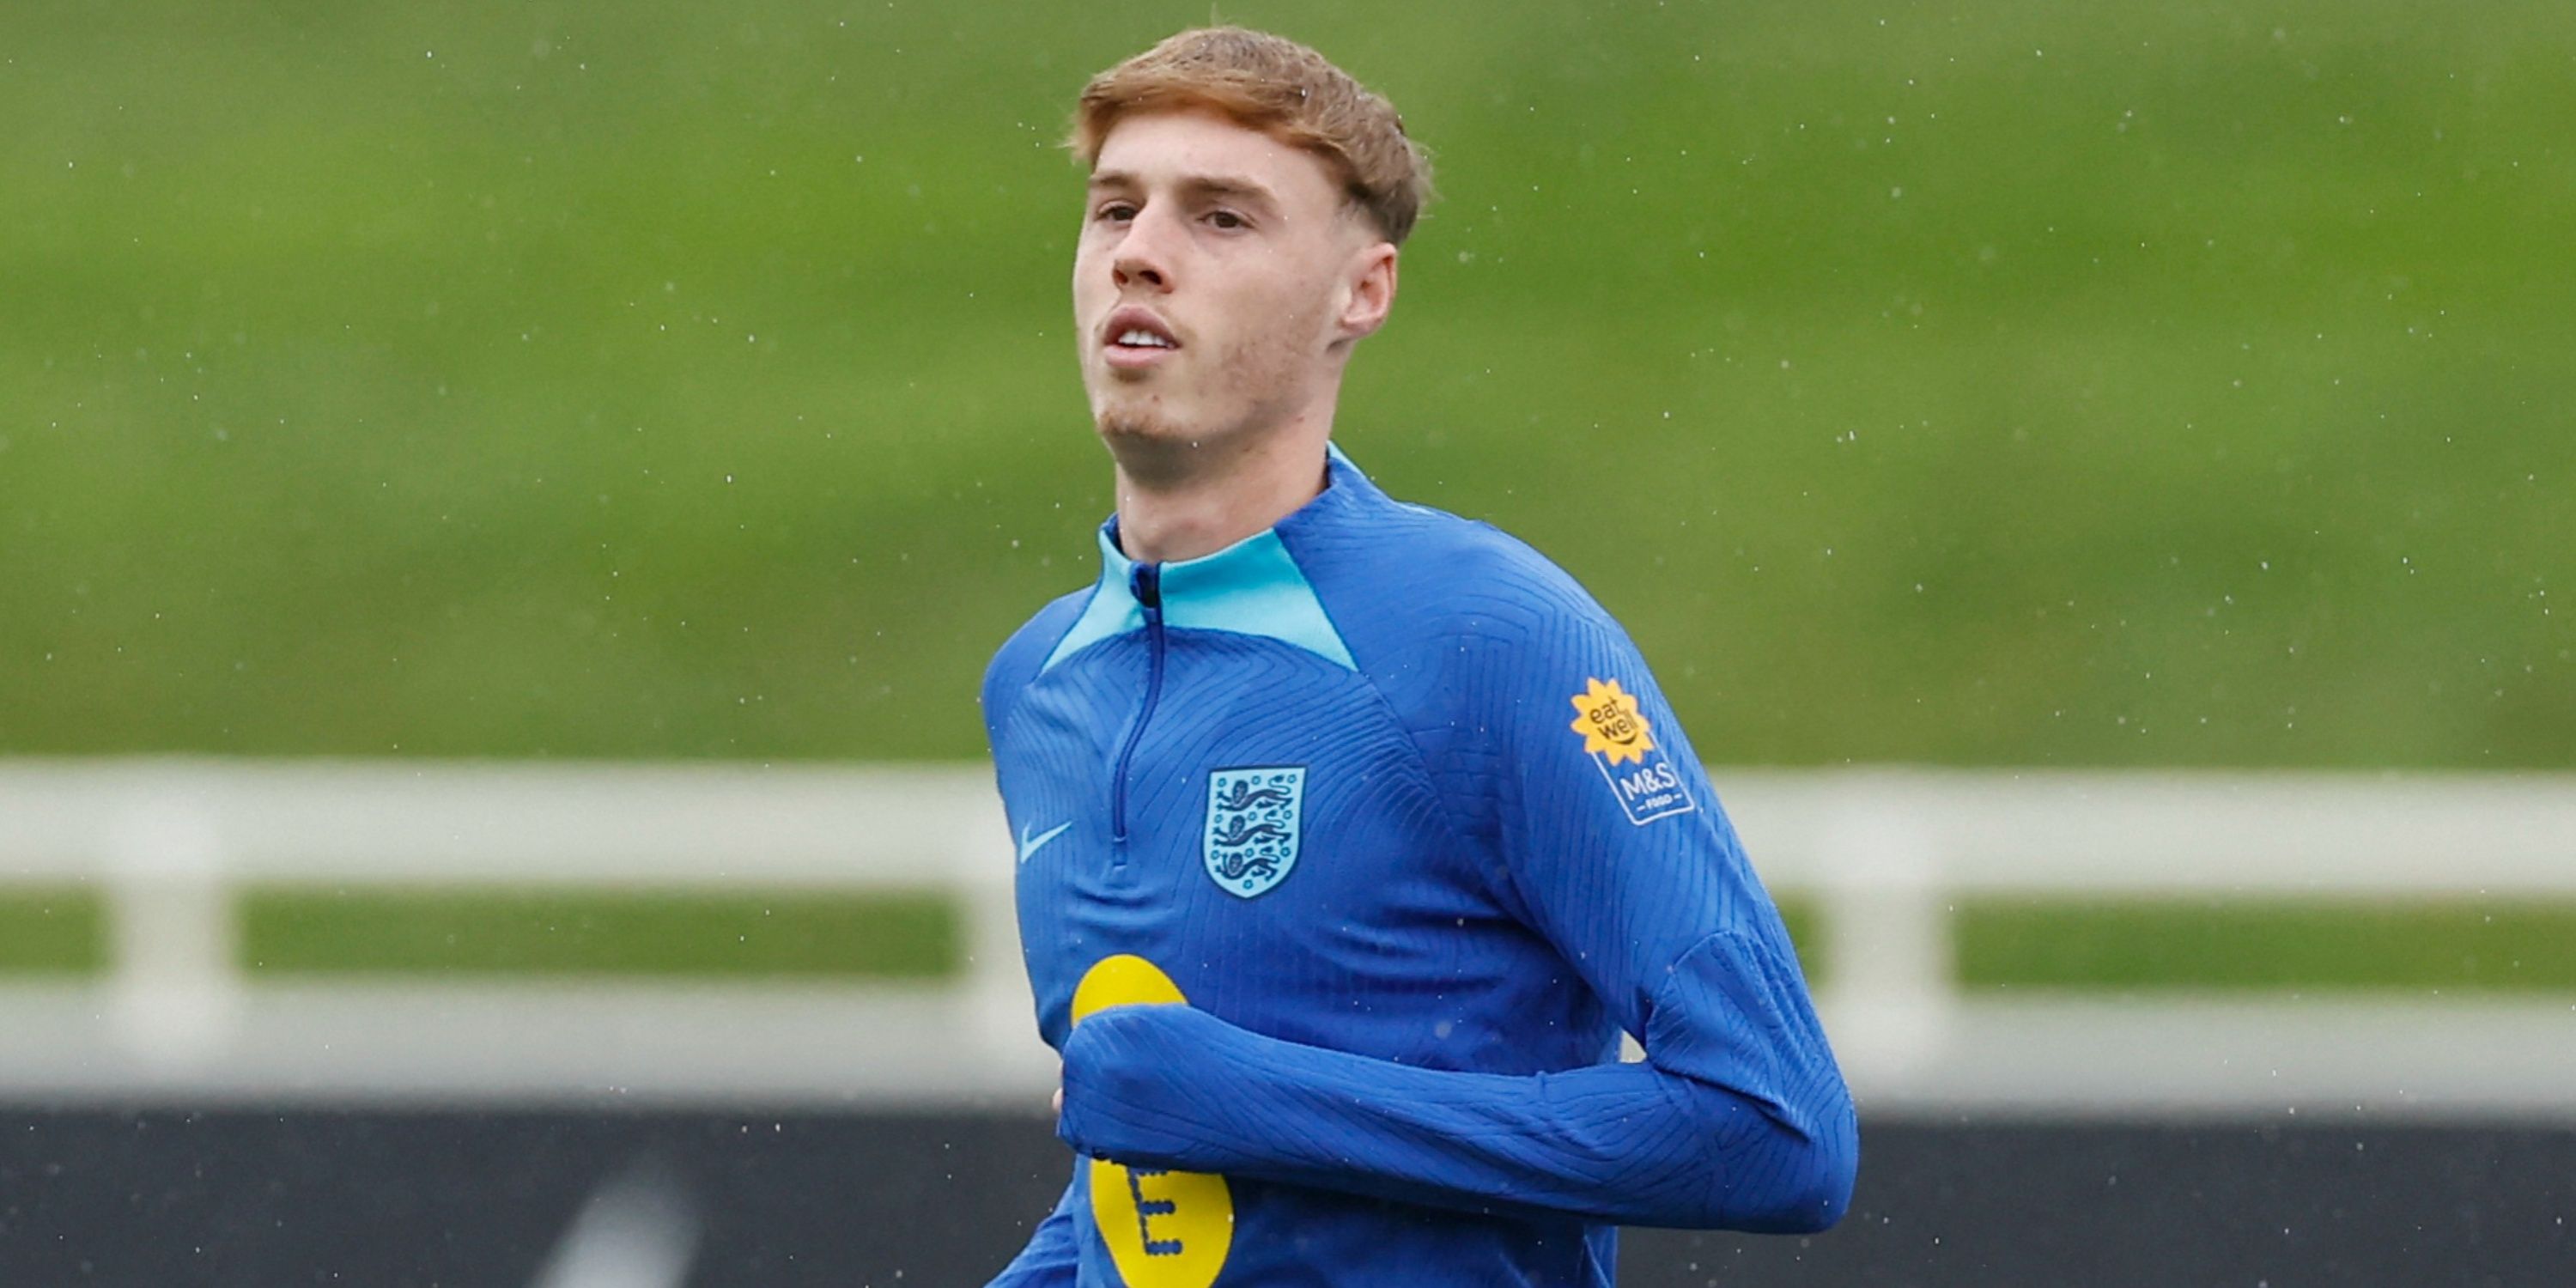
{"x": 1145, "y": 580}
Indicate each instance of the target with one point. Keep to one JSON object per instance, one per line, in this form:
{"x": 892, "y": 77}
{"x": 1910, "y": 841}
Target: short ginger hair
{"x": 1281, "y": 88}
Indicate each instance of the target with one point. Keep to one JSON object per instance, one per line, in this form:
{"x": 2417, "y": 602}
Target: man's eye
{"x": 1226, "y": 219}
{"x": 1116, "y": 212}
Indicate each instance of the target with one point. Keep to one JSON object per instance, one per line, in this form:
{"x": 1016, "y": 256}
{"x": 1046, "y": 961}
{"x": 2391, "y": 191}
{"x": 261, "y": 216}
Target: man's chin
{"x": 1141, "y": 419}
{"x": 1146, "y": 433}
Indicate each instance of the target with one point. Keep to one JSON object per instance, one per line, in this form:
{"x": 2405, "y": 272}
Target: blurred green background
{"x": 2166, "y": 384}
{"x": 2004, "y": 383}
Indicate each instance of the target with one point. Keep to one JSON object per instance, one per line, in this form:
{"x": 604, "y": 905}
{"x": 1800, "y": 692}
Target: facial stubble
{"x": 1155, "y": 446}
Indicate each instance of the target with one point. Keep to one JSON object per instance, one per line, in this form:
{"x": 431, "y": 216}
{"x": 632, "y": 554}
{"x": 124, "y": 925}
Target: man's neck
{"x": 1163, "y": 518}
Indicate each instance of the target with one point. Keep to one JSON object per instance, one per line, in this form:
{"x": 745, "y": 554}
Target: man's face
{"x": 1212, "y": 284}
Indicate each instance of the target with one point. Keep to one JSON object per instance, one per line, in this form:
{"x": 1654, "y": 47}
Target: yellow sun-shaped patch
{"x": 1610, "y": 723}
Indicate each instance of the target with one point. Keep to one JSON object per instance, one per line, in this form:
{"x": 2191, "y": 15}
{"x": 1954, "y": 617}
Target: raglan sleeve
{"x": 1621, "y": 855}
{"x": 1612, "y": 844}
{"x": 1052, "y": 1256}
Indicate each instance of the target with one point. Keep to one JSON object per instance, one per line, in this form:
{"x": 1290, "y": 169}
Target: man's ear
{"x": 1371, "y": 291}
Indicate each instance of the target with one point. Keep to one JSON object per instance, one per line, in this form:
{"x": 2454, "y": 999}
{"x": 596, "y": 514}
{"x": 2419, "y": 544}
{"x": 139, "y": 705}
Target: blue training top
{"x": 1394, "y": 809}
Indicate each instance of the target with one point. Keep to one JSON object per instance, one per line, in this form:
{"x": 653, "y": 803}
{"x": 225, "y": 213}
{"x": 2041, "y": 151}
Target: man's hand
{"x": 1120, "y": 1068}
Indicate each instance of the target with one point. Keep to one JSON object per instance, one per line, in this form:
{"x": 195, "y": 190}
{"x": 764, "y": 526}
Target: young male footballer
{"x": 1352, "y": 834}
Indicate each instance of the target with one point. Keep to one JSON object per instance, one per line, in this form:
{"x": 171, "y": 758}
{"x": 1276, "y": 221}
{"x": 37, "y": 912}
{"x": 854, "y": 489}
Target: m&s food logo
{"x": 1615, "y": 733}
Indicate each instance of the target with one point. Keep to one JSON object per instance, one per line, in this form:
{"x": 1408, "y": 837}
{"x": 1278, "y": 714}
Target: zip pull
{"x": 1145, "y": 582}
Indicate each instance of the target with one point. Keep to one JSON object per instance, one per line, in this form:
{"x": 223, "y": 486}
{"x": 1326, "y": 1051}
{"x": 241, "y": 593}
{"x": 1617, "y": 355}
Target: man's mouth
{"x": 1136, "y": 338}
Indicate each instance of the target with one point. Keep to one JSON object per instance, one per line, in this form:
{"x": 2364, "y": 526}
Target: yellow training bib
{"x": 1164, "y": 1229}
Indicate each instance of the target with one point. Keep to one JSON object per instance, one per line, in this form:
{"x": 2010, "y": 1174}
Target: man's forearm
{"x": 1172, "y": 1087}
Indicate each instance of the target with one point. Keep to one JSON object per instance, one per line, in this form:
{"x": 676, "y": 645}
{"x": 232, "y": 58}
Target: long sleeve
{"x": 1615, "y": 851}
{"x": 1052, "y": 1256}
{"x": 1173, "y": 1087}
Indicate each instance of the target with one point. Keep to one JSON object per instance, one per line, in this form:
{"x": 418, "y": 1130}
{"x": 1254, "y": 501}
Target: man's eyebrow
{"x": 1197, "y": 185}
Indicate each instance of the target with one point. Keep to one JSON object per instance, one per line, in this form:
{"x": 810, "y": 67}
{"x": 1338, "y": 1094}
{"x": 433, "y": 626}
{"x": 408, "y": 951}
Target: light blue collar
{"x": 1253, "y": 587}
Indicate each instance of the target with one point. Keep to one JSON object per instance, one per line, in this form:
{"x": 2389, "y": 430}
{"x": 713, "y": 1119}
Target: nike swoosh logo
{"x": 1029, "y": 844}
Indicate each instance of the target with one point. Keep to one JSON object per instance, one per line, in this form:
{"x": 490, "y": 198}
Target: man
{"x": 1353, "y": 834}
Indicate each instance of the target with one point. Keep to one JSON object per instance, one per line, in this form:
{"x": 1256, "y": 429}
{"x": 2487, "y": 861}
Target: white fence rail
{"x": 1882, "y": 853}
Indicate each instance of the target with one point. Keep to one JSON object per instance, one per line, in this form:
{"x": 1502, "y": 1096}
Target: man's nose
{"x": 1144, "y": 253}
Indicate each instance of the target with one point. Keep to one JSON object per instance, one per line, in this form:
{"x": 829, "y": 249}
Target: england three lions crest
{"x": 1252, "y": 826}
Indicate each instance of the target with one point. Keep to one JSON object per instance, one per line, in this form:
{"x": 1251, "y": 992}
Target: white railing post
{"x": 1889, "y": 995}
{"x": 997, "y": 986}
{"x": 175, "y": 989}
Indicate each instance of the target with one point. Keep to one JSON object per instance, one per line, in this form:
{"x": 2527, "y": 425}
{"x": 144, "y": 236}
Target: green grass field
{"x": 2013, "y": 383}
{"x": 2268, "y": 946}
